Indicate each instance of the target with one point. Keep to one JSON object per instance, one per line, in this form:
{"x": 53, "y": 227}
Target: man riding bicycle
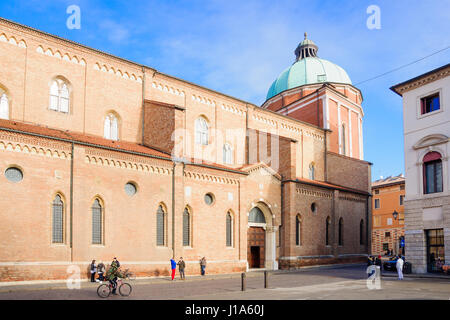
{"x": 113, "y": 273}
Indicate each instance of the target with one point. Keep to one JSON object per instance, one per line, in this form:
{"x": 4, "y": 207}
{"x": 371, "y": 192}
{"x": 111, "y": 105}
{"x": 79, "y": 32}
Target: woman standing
{"x": 93, "y": 271}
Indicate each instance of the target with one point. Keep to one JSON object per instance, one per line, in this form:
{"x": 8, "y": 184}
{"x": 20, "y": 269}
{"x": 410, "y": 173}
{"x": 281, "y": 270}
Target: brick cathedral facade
{"x": 101, "y": 157}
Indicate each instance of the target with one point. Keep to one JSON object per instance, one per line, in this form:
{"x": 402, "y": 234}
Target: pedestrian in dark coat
{"x": 93, "y": 271}
{"x": 181, "y": 266}
{"x": 203, "y": 265}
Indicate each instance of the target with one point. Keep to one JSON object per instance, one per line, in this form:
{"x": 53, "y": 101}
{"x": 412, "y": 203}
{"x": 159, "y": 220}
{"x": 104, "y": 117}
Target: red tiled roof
{"x": 330, "y": 185}
{"x": 80, "y": 137}
{"x": 99, "y": 141}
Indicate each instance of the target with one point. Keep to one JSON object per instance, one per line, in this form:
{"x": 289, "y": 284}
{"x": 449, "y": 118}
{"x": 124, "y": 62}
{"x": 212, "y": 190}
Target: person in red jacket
{"x": 173, "y": 265}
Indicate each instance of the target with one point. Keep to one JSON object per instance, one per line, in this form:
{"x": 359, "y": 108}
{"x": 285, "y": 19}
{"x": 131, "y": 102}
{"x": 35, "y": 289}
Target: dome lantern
{"x": 307, "y": 48}
{"x": 307, "y": 69}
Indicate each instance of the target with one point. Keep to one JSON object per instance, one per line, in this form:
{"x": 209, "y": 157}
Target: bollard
{"x": 243, "y": 281}
{"x": 266, "y": 279}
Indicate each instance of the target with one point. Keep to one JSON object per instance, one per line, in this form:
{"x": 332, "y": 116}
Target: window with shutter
{"x": 97, "y": 223}
{"x": 160, "y": 226}
{"x": 4, "y": 107}
{"x": 58, "y": 226}
{"x": 54, "y": 96}
{"x": 59, "y": 96}
{"x": 201, "y": 131}
{"x": 186, "y": 228}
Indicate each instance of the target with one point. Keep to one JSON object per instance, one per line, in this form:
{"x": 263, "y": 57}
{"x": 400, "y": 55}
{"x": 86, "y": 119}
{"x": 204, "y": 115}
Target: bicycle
{"x": 104, "y": 290}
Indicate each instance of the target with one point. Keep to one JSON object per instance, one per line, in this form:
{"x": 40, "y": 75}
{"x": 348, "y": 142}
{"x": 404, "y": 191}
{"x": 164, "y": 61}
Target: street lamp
{"x": 395, "y": 214}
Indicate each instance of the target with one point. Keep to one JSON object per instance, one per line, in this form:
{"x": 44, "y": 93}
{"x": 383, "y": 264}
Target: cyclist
{"x": 113, "y": 273}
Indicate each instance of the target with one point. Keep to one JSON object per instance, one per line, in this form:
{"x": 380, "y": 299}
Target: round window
{"x": 313, "y": 207}
{"x": 209, "y": 199}
{"x": 14, "y": 174}
{"x": 130, "y": 189}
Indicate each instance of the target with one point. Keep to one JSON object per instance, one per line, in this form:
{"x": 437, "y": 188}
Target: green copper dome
{"x": 307, "y": 69}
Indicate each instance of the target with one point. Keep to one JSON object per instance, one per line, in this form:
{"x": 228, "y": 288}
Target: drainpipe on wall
{"x": 71, "y": 202}
{"x": 143, "y": 102}
{"x": 173, "y": 210}
{"x": 282, "y": 253}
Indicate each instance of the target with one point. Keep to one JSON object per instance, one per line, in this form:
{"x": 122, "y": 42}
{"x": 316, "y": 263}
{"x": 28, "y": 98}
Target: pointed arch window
{"x": 227, "y": 154}
{"x": 186, "y": 228}
{"x": 298, "y": 231}
{"x": 111, "y": 127}
{"x": 4, "y": 106}
{"x": 58, "y": 220}
{"x": 327, "y": 231}
{"x": 341, "y": 231}
{"x": 432, "y": 173}
{"x": 97, "y": 222}
{"x": 256, "y": 216}
{"x": 160, "y": 226}
{"x": 201, "y": 131}
{"x": 59, "y": 96}
{"x": 229, "y": 230}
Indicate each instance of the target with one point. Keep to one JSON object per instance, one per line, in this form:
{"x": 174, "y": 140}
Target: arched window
{"x": 343, "y": 139}
{"x": 59, "y": 96}
{"x": 160, "y": 226}
{"x": 432, "y": 172}
{"x": 256, "y": 216}
{"x": 97, "y": 222}
{"x": 298, "y": 231}
{"x": 201, "y": 131}
{"x": 341, "y": 231}
{"x": 361, "y": 232}
{"x": 229, "y": 230}
{"x": 311, "y": 171}
{"x": 186, "y": 228}
{"x": 227, "y": 154}
{"x": 327, "y": 231}
{"x": 4, "y": 106}
{"x": 58, "y": 220}
{"x": 111, "y": 127}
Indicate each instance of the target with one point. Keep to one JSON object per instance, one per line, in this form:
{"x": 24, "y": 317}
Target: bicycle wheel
{"x": 125, "y": 289}
{"x": 104, "y": 291}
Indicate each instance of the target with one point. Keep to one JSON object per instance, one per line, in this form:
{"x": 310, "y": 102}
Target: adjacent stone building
{"x": 426, "y": 123}
{"x": 388, "y": 219}
{"x": 101, "y": 157}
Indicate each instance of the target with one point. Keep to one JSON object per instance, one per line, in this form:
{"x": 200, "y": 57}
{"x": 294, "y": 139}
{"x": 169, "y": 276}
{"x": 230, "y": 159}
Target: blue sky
{"x": 240, "y": 47}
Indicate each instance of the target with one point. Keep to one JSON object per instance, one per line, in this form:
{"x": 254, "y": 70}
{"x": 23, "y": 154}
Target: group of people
{"x": 374, "y": 261}
{"x": 182, "y": 265}
{"x": 111, "y": 275}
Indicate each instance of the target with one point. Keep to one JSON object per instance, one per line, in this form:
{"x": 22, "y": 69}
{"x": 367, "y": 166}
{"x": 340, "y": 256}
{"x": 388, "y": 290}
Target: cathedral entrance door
{"x": 256, "y": 247}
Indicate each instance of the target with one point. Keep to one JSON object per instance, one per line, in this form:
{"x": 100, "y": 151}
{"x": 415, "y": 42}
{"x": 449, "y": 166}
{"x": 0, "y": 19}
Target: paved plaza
{"x": 336, "y": 282}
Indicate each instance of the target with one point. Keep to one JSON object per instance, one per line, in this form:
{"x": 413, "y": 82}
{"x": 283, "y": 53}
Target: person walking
{"x": 399, "y": 266}
{"x": 101, "y": 271}
{"x": 181, "y": 266}
{"x": 93, "y": 271}
{"x": 203, "y": 265}
{"x": 173, "y": 265}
